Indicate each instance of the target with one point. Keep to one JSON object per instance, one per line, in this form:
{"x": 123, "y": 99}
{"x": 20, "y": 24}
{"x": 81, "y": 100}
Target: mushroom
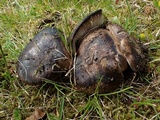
{"x": 103, "y": 52}
{"x": 44, "y": 57}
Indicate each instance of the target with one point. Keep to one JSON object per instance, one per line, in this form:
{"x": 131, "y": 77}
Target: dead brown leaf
{"x": 36, "y": 115}
{"x": 148, "y": 9}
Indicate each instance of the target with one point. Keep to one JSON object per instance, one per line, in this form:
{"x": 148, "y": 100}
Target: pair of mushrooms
{"x": 100, "y": 53}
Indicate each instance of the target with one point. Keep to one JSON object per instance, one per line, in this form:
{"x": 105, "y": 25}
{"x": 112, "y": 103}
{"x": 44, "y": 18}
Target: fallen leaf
{"x": 36, "y": 115}
{"x": 148, "y": 9}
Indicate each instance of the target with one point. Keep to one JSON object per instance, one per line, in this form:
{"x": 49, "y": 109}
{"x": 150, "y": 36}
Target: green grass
{"x": 135, "y": 100}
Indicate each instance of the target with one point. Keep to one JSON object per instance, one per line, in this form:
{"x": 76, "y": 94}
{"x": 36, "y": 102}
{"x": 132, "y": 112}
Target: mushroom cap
{"x": 103, "y": 52}
{"x": 129, "y": 47}
{"x": 45, "y": 57}
{"x": 89, "y": 23}
{"x": 98, "y": 63}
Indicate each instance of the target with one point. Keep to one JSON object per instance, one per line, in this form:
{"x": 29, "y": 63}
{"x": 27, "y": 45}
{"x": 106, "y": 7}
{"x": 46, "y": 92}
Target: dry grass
{"x": 138, "y": 99}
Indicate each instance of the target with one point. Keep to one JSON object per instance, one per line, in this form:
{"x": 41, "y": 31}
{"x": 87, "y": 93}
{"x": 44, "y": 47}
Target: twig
{"x": 141, "y": 115}
{"x": 74, "y": 68}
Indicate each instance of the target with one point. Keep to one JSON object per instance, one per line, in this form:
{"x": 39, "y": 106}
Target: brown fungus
{"x": 45, "y": 57}
{"x": 100, "y": 54}
{"x": 103, "y": 52}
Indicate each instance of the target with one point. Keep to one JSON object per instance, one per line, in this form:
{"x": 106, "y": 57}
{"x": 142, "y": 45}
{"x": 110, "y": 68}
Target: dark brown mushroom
{"x": 45, "y": 57}
{"x": 103, "y": 51}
